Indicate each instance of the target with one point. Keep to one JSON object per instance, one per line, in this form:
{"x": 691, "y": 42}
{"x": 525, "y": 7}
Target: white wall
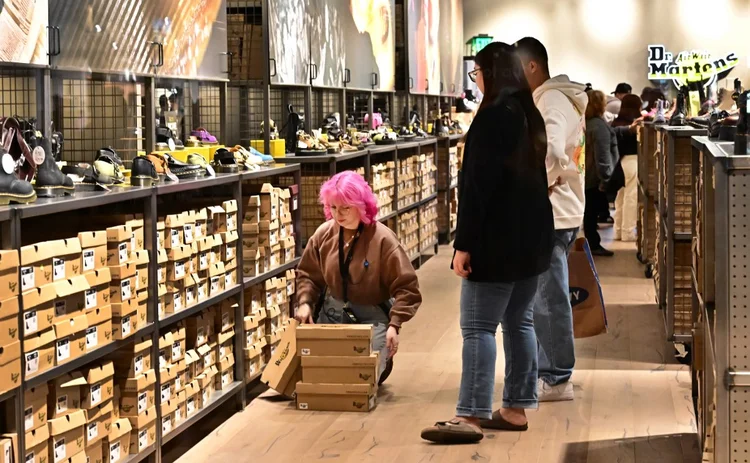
{"x": 605, "y": 41}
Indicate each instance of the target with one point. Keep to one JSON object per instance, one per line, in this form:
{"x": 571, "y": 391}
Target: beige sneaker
{"x": 559, "y": 393}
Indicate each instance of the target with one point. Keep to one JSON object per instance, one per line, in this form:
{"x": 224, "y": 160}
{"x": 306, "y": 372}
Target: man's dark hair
{"x": 532, "y": 49}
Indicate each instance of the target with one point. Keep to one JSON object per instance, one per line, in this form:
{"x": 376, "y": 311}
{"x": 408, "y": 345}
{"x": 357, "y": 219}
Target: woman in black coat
{"x": 503, "y": 242}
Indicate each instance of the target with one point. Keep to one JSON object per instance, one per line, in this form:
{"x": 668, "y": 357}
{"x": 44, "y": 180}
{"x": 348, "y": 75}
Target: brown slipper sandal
{"x": 452, "y": 432}
{"x": 500, "y": 424}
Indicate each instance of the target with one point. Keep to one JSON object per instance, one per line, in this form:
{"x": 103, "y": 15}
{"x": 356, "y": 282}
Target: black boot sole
{"x": 54, "y": 191}
{"x": 7, "y": 198}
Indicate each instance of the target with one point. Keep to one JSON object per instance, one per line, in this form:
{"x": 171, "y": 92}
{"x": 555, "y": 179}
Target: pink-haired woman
{"x": 356, "y": 267}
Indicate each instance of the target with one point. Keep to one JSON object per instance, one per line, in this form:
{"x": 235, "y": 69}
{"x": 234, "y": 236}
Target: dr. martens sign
{"x": 695, "y": 66}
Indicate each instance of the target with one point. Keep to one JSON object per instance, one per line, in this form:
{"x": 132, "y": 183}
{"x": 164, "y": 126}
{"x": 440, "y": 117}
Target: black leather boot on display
{"x": 143, "y": 172}
{"x": 11, "y": 188}
{"x": 50, "y": 181}
{"x": 680, "y": 113}
{"x": 224, "y": 162}
{"x": 741, "y": 137}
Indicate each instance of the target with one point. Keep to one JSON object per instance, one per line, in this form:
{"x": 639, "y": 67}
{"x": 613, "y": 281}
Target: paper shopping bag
{"x": 589, "y": 315}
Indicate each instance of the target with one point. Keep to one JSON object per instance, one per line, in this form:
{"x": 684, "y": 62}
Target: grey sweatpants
{"x": 332, "y": 313}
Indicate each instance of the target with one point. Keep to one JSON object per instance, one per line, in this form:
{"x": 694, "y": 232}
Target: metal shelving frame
{"x": 646, "y": 197}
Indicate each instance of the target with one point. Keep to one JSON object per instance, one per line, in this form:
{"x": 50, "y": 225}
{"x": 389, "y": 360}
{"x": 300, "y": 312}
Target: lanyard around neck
{"x": 344, "y": 262}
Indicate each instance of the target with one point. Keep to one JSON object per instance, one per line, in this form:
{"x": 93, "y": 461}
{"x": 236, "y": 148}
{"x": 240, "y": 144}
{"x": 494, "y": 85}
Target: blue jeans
{"x": 484, "y": 306}
{"x": 553, "y": 315}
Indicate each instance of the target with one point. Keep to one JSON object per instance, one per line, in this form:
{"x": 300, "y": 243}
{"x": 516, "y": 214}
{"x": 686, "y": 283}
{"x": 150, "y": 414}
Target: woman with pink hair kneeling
{"x": 355, "y": 270}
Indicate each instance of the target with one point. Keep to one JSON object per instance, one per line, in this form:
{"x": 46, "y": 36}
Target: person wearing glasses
{"x": 354, "y": 269}
{"x": 503, "y": 243}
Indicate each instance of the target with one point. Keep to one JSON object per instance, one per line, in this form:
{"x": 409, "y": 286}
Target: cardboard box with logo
{"x": 205, "y": 247}
{"x": 65, "y": 395}
{"x": 122, "y": 286}
{"x": 124, "y": 319}
{"x": 273, "y": 320}
{"x": 137, "y": 394}
{"x": 70, "y": 334}
{"x": 98, "y": 293}
{"x": 216, "y": 281}
{"x": 141, "y": 269}
{"x": 137, "y": 241}
{"x": 191, "y": 290}
{"x": 36, "y": 265}
{"x": 168, "y": 408}
{"x": 217, "y": 219}
{"x": 252, "y": 334}
{"x": 119, "y": 243}
{"x": 174, "y": 231}
{"x": 39, "y": 309}
{"x": 9, "y": 266}
{"x": 135, "y": 361}
{"x": 162, "y": 258}
{"x": 117, "y": 444}
{"x": 9, "y": 321}
{"x": 98, "y": 386}
{"x": 70, "y": 297}
{"x": 215, "y": 256}
{"x": 178, "y": 262}
{"x": 193, "y": 365}
{"x": 141, "y": 313}
{"x": 95, "y": 453}
{"x": 230, "y": 208}
{"x": 251, "y": 209}
{"x": 341, "y": 370}
{"x": 177, "y": 352}
{"x": 99, "y": 332}
{"x": 161, "y": 236}
{"x": 165, "y": 349}
{"x": 251, "y": 263}
{"x": 226, "y": 343}
{"x": 67, "y": 435}
{"x": 225, "y": 368}
{"x": 269, "y": 203}
{"x": 201, "y": 220}
{"x": 39, "y": 352}
{"x": 93, "y": 250}
{"x": 229, "y": 248}
{"x": 334, "y": 340}
{"x": 283, "y": 371}
{"x": 98, "y": 422}
{"x": 37, "y": 445}
{"x": 180, "y": 413}
{"x": 143, "y": 433}
{"x": 207, "y": 384}
{"x": 336, "y": 397}
{"x": 253, "y": 356}
{"x": 268, "y": 235}
{"x": 35, "y": 408}
{"x": 288, "y": 250}
{"x": 66, "y": 258}
{"x": 181, "y": 377}
{"x": 188, "y": 227}
{"x": 192, "y": 398}
{"x": 199, "y": 328}
{"x": 250, "y": 236}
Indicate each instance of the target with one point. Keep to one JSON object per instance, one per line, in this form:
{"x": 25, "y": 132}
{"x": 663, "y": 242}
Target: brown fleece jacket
{"x": 389, "y": 272}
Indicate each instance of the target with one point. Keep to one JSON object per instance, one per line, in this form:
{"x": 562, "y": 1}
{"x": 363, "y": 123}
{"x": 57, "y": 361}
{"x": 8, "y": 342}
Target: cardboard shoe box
{"x": 99, "y": 386}
{"x": 98, "y": 422}
{"x": 205, "y": 247}
{"x": 70, "y": 297}
{"x": 67, "y": 435}
{"x": 70, "y": 334}
{"x": 98, "y": 293}
{"x": 269, "y": 203}
{"x": 117, "y": 446}
{"x": 268, "y": 235}
{"x": 161, "y": 270}
{"x": 178, "y": 262}
{"x": 201, "y": 223}
{"x": 165, "y": 349}
{"x": 99, "y": 332}
{"x": 192, "y": 398}
{"x": 94, "y": 454}
{"x": 66, "y": 258}
{"x": 217, "y": 219}
{"x": 188, "y": 227}
{"x": 143, "y": 431}
{"x": 35, "y": 411}
{"x": 137, "y": 394}
{"x": 178, "y": 345}
{"x": 119, "y": 242}
{"x": 39, "y": 310}
{"x": 216, "y": 282}
{"x": 336, "y": 397}
{"x": 193, "y": 365}
{"x": 251, "y": 209}
{"x": 9, "y": 321}
{"x": 122, "y": 286}
{"x": 225, "y": 316}
{"x": 141, "y": 269}
{"x": 161, "y": 236}
{"x": 124, "y": 319}
{"x": 39, "y": 352}
{"x": 93, "y": 250}
{"x": 341, "y": 370}
{"x": 334, "y": 340}
{"x": 174, "y": 232}
{"x": 226, "y": 343}
{"x": 229, "y": 248}
{"x": 282, "y": 373}
{"x": 36, "y": 265}
{"x": 252, "y": 362}
{"x": 225, "y": 368}
{"x": 9, "y": 265}
{"x": 134, "y": 362}
{"x": 230, "y": 208}
{"x": 65, "y": 395}
{"x": 199, "y": 329}
{"x": 37, "y": 445}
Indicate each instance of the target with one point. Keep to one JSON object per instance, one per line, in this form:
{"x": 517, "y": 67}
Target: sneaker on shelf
{"x": 559, "y": 393}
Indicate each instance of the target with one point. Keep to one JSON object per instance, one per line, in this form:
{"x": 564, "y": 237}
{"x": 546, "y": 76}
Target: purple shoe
{"x": 202, "y": 134}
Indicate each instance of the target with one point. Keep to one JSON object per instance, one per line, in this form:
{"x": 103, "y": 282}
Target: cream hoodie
{"x": 563, "y": 107}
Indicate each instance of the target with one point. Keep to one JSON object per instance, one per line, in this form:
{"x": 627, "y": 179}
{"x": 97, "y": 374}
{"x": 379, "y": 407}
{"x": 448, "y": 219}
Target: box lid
{"x": 36, "y": 393}
{"x": 340, "y": 362}
{"x": 188, "y": 217}
{"x": 37, "y": 296}
{"x": 179, "y": 334}
{"x": 274, "y": 311}
{"x": 142, "y": 344}
{"x": 216, "y": 210}
{"x": 174, "y": 221}
{"x": 226, "y": 362}
{"x": 226, "y": 336}
{"x": 119, "y": 234}
{"x": 75, "y": 285}
{"x": 166, "y": 340}
{"x": 335, "y": 389}
{"x": 98, "y": 277}
{"x": 230, "y": 237}
{"x": 99, "y": 373}
{"x": 99, "y": 411}
{"x": 162, "y": 290}
{"x": 203, "y": 350}
{"x": 162, "y": 256}
{"x": 180, "y": 252}
{"x": 251, "y": 322}
{"x": 288, "y": 242}
{"x": 252, "y": 352}
{"x": 168, "y": 406}
{"x": 268, "y": 225}
{"x": 205, "y": 243}
{"x": 36, "y": 437}
{"x": 143, "y": 419}
{"x": 93, "y": 239}
{"x": 216, "y": 269}
{"x": 140, "y": 382}
{"x": 98, "y": 315}
{"x": 284, "y": 194}
{"x": 10, "y": 352}
{"x": 135, "y": 223}
{"x": 230, "y": 205}
{"x": 201, "y": 215}
{"x": 119, "y": 428}
{"x": 8, "y": 259}
{"x": 217, "y": 239}
{"x": 168, "y": 373}
{"x": 37, "y": 340}
{"x": 68, "y": 246}
{"x": 252, "y": 201}
{"x": 125, "y": 308}
{"x": 141, "y": 257}
{"x": 71, "y": 325}
{"x": 160, "y": 225}
{"x": 37, "y": 252}
{"x": 191, "y": 357}
{"x": 348, "y": 331}
{"x": 9, "y": 307}
{"x": 123, "y": 271}
{"x": 266, "y": 189}
{"x": 66, "y": 423}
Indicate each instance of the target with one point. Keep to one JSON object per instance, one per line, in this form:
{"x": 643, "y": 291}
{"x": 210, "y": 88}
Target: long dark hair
{"x": 502, "y": 73}
{"x": 630, "y": 110}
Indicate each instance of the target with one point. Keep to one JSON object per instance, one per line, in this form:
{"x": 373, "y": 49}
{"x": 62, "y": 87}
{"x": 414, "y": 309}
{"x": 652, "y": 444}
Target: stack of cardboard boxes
{"x": 10, "y": 346}
{"x": 222, "y": 343}
{"x": 426, "y": 176}
{"x": 408, "y": 232}
{"x": 383, "y": 185}
{"x": 408, "y": 192}
{"x": 428, "y": 232}
{"x": 268, "y": 239}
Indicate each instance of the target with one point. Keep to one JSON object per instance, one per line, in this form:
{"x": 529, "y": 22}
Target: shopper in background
{"x": 356, "y": 268}
{"x": 614, "y": 102}
{"x": 503, "y": 242}
{"x": 562, "y": 104}
{"x": 626, "y": 204}
{"x": 601, "y": 158}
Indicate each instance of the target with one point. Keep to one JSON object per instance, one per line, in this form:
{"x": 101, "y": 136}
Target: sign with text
{"x": 687, "y": 67}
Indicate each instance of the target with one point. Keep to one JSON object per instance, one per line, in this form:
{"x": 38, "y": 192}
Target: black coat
{"x": 505, "y": 219}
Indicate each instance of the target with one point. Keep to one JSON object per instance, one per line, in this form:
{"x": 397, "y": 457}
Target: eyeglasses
{"x": 473, "y": 75}
{"x": 343, "y": 210}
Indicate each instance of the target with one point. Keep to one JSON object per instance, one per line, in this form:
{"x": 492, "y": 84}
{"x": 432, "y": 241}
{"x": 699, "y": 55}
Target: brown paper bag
{"x": 589, "y": 316}
{"x": 284, "y": 370}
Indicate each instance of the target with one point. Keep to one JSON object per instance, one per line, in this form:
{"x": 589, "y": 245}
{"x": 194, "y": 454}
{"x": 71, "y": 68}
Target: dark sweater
{"x": 627, "y": 140}
{"x": 505, "y": 217}
{"x": 601, "y": 152}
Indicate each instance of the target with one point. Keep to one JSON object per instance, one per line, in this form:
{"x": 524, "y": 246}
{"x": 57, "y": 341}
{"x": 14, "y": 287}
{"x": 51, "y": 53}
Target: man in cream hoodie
{"x": 563, "y": 107}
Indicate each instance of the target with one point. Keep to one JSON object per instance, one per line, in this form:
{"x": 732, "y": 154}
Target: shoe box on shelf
{"x": 222, "y": 343}
{"x": 426, "y": 175}
{"x": 428, "y": 216}
{"x": 10, "y": 345}
{"x": 408, "y": 191}
{"x": 339, "y": 371}
{"x": 448, "y": 174}
{"x": 383, "y": 185}
{"x": 408, "y": 232}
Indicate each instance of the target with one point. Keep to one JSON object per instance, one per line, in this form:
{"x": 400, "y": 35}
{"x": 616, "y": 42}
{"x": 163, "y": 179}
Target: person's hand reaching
{"x": 304, "y": 314}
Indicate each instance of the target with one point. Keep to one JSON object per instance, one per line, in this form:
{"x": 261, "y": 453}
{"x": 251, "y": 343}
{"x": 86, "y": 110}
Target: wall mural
{"x": 288, "y": 23}
{"x": 424, "y": 46}
{"x": 451, "y": 45}
{"x": 328, "y": 46}
{"x": 23, "y": 31}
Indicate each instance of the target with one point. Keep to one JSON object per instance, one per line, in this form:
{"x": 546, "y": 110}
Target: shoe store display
{"x": 198, "y": 160}
{"x": 659, "y": 117}
{"x": 307, "y": 145}
{"x": 143, "y": 172}
{"x": 13, "y": 190}
{"x": 110, "y": 154}
{"x": 680, "y": 113}
{"x": 294, "y": 125}
{"x": 162, "y": 168}
{"x": 203, "y": 136}
{"x": 50, "y": 181}
{"x": 12, "y": 139}
{"x": 107, "y": 170}
{"x": 225, "y": 162}
{"x": 184, "y": 170}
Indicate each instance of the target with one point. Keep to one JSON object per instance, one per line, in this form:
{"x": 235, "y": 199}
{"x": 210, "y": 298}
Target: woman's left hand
{"x": 391, "y": 341}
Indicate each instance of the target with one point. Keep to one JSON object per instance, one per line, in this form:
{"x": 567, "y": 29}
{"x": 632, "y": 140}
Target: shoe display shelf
{"x": 719, "y": 277}
{"x": 50, "y": 217}
{"x": 448, "y": 167}
{"x": 676, "y": 185}
{"x": 647, "y": 203}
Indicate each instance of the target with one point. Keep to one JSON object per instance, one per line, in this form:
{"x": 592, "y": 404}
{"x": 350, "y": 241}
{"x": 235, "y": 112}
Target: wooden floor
{"x": 632, "y": 400}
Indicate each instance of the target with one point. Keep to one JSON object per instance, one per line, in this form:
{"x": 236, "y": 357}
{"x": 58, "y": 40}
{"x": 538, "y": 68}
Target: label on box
{"x": 123, "y": 250}
{"x": 303, "y": 406}
{"x": 162, "y": 359}
{"x": 190, "y": 295}
{"x": 178, "y": 412}
{"x": 63, "y": 349}
{"x": 198, "y": 231}
{"x": 142, "y": 439}
{"x": 27, "y": 278}
{"x": 92, "y": 337}
{"x": 201, "y": 293}
{"x": 223, "y": 351}
{"x": 88, "y": 260}
{"x": 252, "y": 369}
{"x": 92, "y": 430}
{"x": 125, "y": 290}
{"x": 166, "y": 424}
{"x": 294, "y": 204}
{"x": 177, "y": 302}
{"x": 190, "y": 405}
{"x": 62, "y": 404}
{"x": 305, "y": 351}
{"x": 90, "y": 298}
{"x": 192, "y": 266}
{"x": 282, "y": 233}
{"x": 225, "y": 321}
{"x": 138, "y": 365}
{"x": 60, "y": 308}
{"x": 177, "y": 383}
{"x": 205, "y": 396}
{"x": 230, "y": 252}
{"x": 207, "y": 360}
{"x": 166, "y": 392}
{"x": 114, "y": 452}
{"x": 132, "y": 242}
{"x": 188, "y": 231}
{"x": 125, "y": 326}
{"x": 290, "y": 288}
{"x": 59, "y": 450}
{"x": 179, "y": 269}
{"x": 230, "y": 222}
{"x": 28, "y": 418}
{"x": 176, "y": 351}
{"x": 96, "y": 394}
{"x": 142, "y": 402}
{"x": 250, "y": 340}
{"x": 214, "y": 284}
{"x": 200, "y": 336}
{"x": 228, "y": 280}
{"x": 30, "y": 457}
{"x": 158, "y": 240}
{"x": 159, "y": 273}
{"x": 58, "y": 269}
{"x": 203, "y": 260}
{"x": 159, "y": 308}
{"x": 225, "y": 379}
{"x": 273, "y": 261}
{"x": 269, "y": 299}
{"x": 30, "y": 322}
{"x": 32, "y": 362}
{"x": 175, "y": 238}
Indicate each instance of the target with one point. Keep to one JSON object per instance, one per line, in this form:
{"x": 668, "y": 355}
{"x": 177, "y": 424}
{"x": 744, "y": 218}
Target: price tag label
{"x": 178, "y": 412}
{"x": 228, "y": 280}
{"x": 32, "y": 362}
{"x": 88, "y": 260}
{"x": 59, "y": 450}
{"x": 166, "y": 392}
{"x": 92, "y": 337}
{"x": 179, "y": 269}
{"x": 30, "y": 322}
{"x": 177, "y": 383}
{"x": 188, "y": 231}
{"x": 203, "y": 261}
{"x": 166, "y": 424}
{"x": 125, "y": 326}
{"x": 58, "y": 269}
{"x": 60, "y": 308}
{"x": 62, "y": 403}
{"x": 142, "y": 402}
{"x": 28, "y": 418}
{"x": 175, "y": 236}
{"x": 138, "y": 365}
{"x": 190, "y": 296}
{"x": 176, "y": 351}
{"x": 90, "y": 298}
{"x": 123, "y": 252}
{"x": 160, "y": 274}
{"x": 114, "y": 452}
{"x": 177, "y": 302}
{"x": 125, "y": 290}
{"x": 96, "y": 394}
{"x": 27, "y": 278}
{"x": 201, "y": 292}
{"x": 92, "y": 430}
{"x": 63, "y": 349}
{"x": 190, "y": 406}
{"x": 142, "y": 439}
{"x": 214, "y": 285}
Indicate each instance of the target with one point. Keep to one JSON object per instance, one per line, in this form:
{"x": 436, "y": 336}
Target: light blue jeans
{"x": 553, "y": 315}
{"x": 484, "y": 306}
